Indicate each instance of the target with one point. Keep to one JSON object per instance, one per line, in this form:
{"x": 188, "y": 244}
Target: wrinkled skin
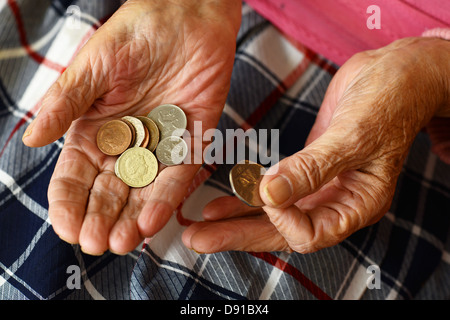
{"x": 148, "y": 53}
{"x": 344, "y": 179}
{"x": 181, "y": 52}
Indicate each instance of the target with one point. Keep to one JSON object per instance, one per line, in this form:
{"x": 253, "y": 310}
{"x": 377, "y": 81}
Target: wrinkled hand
{"x": 344, "y": 179}
{"x": 148, "y": 53}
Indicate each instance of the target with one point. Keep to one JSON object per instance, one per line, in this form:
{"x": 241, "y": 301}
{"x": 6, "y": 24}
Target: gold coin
{"x": 133, "y": 131}
{"x": 245, "y": 179}
{"x": 170, "y": 119}
{"x": 139, "y": 129}
{"x": 146, "y": 140}
{"x": 114, "y": 137}
{"x": 116, "y": 169}
{"x": 171, "y": 150}
{"x": 137, "y": 167}
{"x": 153, "y": 131}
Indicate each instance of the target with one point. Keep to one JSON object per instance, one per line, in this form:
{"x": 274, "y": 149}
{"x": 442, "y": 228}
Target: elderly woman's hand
{"x": 344, "y": 179}
{"x": 148, "y": 53}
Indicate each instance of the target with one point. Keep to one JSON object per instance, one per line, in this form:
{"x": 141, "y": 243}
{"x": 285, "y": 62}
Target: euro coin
{"x": 153, "y": 132}
{"x": 171, "y": 150}
{"x": 114, "y": 137}
{"x": 245, "y": 179}
{"x": 137, "y": 167}
{"x": 139, "y": 129}
{"x": 170, "y": 119}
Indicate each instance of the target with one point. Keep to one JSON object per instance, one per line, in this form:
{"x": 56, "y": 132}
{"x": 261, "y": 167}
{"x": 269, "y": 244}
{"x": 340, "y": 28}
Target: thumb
{"x": 65, "y": 101}
{"x": 306, "y": 171}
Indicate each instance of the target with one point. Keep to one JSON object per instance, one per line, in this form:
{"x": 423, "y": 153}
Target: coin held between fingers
{"x": 245, "y": 179}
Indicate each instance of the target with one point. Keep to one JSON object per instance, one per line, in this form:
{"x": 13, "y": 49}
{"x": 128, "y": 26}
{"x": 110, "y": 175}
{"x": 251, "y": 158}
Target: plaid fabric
{"x": 37, "y": 41}
{"x": 276, "y": 83}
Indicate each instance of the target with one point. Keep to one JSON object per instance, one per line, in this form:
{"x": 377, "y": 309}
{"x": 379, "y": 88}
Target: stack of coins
{"x": 142, "y": 142}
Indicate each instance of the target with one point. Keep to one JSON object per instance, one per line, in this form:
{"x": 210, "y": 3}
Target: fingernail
{"x": 91, "y": 253}
{"x": 197, "y": 252}
{"x": 278, "y": 191}
{"x": 116, "y": 253}
{"x": 27, "y": 133}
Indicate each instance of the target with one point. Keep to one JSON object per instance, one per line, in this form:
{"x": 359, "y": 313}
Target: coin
{"x": 116, "y": 169}
{"x": 114, "y": 137}
{"x": 171, "y": 150}
{"x": 245, "y": 179}
{"x": 133, "y": 131}
{"x": 137, "y": 167}
{"x": 146, "y": 140}
{"x": 153, "y": 131}
{"x": 170, "y": 119}
{"x": 138, "y": 127}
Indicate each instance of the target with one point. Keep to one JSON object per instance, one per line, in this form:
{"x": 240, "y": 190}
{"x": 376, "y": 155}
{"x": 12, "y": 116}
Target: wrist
{"x": 443, "y": 109}
{"x": 443, "y": 65}
{"x": 432, "y": 69}
{"x": 226, "y": 12}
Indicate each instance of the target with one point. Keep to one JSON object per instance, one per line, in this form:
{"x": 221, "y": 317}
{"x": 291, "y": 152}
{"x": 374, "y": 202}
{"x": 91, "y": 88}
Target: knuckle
{"x": 362, "y": 56}
{"x": 306, "y": 169}
{"x": 348, "y": 222}
{"x": 305, "y": 249}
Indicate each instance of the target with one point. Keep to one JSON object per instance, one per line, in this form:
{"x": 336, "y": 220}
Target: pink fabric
{"x": 337, "y": 29}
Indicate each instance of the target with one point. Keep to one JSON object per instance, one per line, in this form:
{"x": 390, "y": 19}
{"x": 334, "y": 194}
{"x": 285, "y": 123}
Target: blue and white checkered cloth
{"x": 276, "y": 83}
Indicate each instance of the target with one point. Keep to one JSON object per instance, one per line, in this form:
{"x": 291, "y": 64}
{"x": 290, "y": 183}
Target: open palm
{"x": 148, "y": 53}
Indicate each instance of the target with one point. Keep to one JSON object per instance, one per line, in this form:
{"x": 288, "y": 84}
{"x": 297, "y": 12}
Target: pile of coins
{"x": 142, "y": 142}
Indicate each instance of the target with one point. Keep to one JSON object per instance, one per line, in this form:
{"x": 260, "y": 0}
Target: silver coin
{"x": 170, "y": 119}
{"x": 139, "y": 128}
{"x": 171, "y": 150}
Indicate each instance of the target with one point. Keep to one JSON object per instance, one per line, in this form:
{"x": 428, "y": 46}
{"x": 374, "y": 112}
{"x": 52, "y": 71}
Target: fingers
{"x": 349, "y": 202}
{"x": 65, "y": 101}
{"x": 320, "y": 220}
{"x": 87, "y": 204}
{"x": 310, "y": 231}
{"x": 227, "y": 207}
{"x": 107, "y": 199}
{"x": 233, "y": 225}
{"x": 167, "y": 192}
{"x": 96, "y": 209}
{"x": 306, "y": 171}
{"x": 124, "y": 236}
{"x": 93, "y": 208}
{"x": 322, "y": 194}
{"x": 68, "y": 193}
{"x": 253, "y": 233}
